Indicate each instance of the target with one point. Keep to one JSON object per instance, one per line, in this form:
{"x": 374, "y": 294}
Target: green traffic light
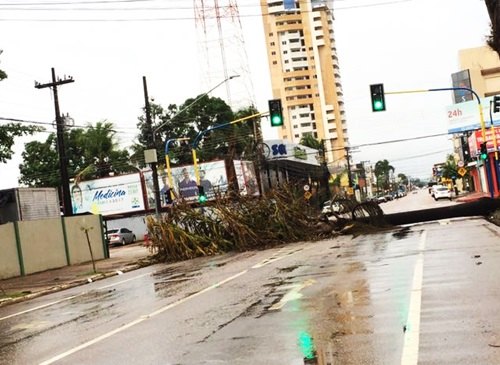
{"x": 484, "y": 156}
{"x": 276, "y": 120}
{"x": 378, "y": 105}
{"x": 202, "y": 199}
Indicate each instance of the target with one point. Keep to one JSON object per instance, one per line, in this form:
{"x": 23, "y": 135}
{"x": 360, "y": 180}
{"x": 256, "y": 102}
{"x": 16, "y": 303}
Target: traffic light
{"x": 484, "y": 151}
{"x": 496, "y": 104}
{"x": 378, "y": 97}
{"x": 276, "y": 113}
{"x": 202, "y": 197}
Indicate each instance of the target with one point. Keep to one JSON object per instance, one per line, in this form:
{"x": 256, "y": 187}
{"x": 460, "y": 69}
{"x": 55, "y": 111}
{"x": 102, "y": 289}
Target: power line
{"x": 177, "y": 18}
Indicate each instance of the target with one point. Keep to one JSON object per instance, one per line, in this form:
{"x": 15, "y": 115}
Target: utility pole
{"x": 349, "y": 176}
{"x": 63, "y": 160}
{"x": 151, "y": 145}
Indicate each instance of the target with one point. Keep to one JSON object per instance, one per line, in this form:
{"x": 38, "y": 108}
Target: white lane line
{"x": 293, "y": 294}
{"x": 412, "y": 332}
{"x": 277, "y": 258}
{"x": 138, "y": 320}
{"x": 69, "y": 298}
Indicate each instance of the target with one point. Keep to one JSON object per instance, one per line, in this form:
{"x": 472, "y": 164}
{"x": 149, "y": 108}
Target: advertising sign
{"x": 476, "y": 139}
{"x": 247, "y": 180}
{"x": 108, "y": 196}
{"x": 461, "y": 79}
{"x": 212, "y": 177}
{"x": 282, "y": 149}
{"x": 465, "y": 116}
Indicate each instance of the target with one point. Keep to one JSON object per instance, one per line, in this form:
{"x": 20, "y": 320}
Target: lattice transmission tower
{"x": 222, "y": 50}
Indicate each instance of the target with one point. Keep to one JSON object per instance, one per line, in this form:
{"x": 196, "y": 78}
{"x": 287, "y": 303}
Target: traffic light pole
{"x": 495, "y": 145}
{"x": 202, "y": 133}
{"x": 481, "y": 119}
{"x": 167, "y": 162}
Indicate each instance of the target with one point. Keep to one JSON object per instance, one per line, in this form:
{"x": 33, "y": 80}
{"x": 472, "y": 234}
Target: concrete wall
{"x": 42, "y": 243}
{"x": 9, "y": 259}
{"x": 49, "y": 243}
{"x": 78, "y": 247}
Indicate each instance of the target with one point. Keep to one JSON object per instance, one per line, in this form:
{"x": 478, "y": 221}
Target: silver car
{"x": 120, "y": 236}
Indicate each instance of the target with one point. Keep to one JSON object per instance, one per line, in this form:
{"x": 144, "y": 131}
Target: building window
{"x": 273, "y": 53}
{"x": 272, "y": 44}
{"x": 275, "y": 62}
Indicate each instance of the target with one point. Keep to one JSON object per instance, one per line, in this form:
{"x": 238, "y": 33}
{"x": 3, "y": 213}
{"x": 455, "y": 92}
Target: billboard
{"x": 283, "y": 149}
{"x": 465, "y": 116}
{"x": 213, "y": 178}
{"x": 108, "y": 196}
{"x": 247, "y": 178}
{"x": 476, "y": 139}
{"x": 461, "y": 79}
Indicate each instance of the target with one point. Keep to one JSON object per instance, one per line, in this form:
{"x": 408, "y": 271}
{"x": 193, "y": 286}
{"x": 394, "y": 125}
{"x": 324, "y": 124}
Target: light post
{"x": 167, "y": 162}
{"x": 495, "y": 145}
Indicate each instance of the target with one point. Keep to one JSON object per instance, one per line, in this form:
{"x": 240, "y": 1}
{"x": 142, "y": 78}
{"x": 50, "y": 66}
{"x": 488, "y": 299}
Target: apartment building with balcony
{"x": 305, "y": 73}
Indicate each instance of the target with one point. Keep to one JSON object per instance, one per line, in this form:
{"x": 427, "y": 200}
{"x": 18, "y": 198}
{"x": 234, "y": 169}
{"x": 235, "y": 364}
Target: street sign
{"x": 462, "y": 171}
{"x": 460, "y": 164}
{"x": 306, "y": 187}
{"x": 307, "y": 195}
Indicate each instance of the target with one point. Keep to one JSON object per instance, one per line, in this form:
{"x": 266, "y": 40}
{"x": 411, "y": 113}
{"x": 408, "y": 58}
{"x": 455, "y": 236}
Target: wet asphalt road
{"x": 425, "y": 294}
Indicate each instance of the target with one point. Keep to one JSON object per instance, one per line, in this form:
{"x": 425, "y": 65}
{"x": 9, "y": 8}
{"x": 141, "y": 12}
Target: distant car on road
{"x": 120, "y": 236}
{"x": 441, "y": 192}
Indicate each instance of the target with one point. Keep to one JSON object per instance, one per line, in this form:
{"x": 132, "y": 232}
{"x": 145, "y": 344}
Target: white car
{"x": 441, "y": 192}
{"x": 329, "y": 207}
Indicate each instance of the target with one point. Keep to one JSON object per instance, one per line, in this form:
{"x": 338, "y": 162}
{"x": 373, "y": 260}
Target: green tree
{"x": 309, "y": 141}
{"x": 493, "y": 7}
{"x": 449, "y": 170}
{"x": 403, "y": 179}
{"x": 186, "y": 121}
{"x": 91, "y": 153}
{"x": 382, "y": 172}
{"x": 3, "y": 75}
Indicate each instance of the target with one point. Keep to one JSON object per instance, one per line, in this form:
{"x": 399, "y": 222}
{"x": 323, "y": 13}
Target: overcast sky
{"x": 405, "y": 44}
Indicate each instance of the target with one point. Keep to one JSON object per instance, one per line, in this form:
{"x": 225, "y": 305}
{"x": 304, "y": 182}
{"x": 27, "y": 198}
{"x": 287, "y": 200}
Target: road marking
{"x": 293, "y": 294}
{"x": 139, "y": 320}
{"x": 412, "y": 328}
{"x": 287, "y": 253}
{"x": 70, "y": 297}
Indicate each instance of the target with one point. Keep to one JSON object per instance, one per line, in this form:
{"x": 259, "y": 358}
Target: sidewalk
{"x": 471, "y": 197}
{"x": 122, "y": 259}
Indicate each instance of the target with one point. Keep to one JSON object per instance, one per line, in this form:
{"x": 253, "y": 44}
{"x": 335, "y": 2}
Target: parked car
{"x": 440, "y": 192}
{"x": 329, "y": 207}
{"x": 120, "y": 236}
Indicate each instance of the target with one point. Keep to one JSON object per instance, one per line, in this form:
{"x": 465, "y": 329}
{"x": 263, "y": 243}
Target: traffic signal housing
{"x": 202, "y": 197}
{"x": 484, "y": 152}
{"x": 378, "y": 97}
{"x": 276, "y": 113}
{"x": 496, "y": 104}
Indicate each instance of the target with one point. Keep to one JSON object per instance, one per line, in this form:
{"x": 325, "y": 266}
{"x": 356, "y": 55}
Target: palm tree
{"x": 382, "y": 172}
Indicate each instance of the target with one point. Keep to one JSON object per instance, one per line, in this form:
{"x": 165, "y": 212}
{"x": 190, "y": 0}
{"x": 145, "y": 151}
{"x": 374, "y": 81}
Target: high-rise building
{"x": 305, "y": 73}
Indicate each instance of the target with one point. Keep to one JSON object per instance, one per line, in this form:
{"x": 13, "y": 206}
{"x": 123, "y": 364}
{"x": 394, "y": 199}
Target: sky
{"x": 404, "y": 44}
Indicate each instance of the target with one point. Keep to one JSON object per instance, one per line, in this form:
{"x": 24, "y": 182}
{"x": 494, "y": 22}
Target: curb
{"x": 71, "y": 284}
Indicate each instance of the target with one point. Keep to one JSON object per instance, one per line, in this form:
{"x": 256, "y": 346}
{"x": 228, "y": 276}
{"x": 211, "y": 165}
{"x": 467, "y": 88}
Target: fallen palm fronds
{"x": 242, "y": 223}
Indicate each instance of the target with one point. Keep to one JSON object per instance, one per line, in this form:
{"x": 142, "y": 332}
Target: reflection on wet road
{"x": 424, "y": 294}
